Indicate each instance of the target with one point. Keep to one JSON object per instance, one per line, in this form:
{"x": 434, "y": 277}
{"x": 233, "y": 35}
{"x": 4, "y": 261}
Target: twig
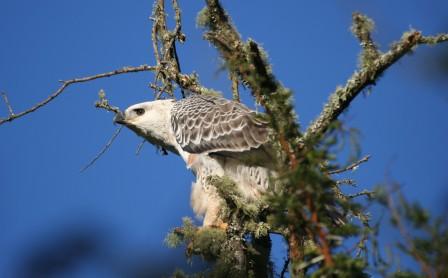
{"x": 285, "y": 268}
{"x": 103, "y": 103}
{"x": 352, "y": 166}
{"x": 314, "y": 260}
{"x": 107, "y": 107}
{"x": 362, "y": 193}
{"x": 5, "y": 98}
{"x": 433, "y": 39}
{"x": 156, "y": 14}
{"x": 360, "y": 246}
{"x": 67, "y": 83}
{"x": 362, "y": 28}
{"x": 177, "y": 34}
{"x": 425, "y": 267}
{"x": 351, "y": 182}
{"x": 160, "y": 91}
{"x": 140, "y": 147}
{"x": 178, "y": 18}
{"x": 176, "y": 58}
{"x": 103, "y": 150}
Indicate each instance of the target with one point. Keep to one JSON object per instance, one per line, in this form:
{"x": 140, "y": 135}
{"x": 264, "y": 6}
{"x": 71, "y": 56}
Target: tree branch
{"x": 164, "y": 44}
{"x": 362, "y": 28}
{"x": 249, "y": 62}
{"x": 352, "y": 166}
{"x": 189, "y": 82}
{"x": 433, "y": 39}
{"x": 67, "y": 83}
{"x": 104, "y": 149}
{"x": 366, "y": 76}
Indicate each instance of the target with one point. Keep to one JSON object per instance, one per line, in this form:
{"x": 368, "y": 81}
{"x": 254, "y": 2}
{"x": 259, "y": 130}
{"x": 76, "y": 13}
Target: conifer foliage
{"x": 309, "y": 211}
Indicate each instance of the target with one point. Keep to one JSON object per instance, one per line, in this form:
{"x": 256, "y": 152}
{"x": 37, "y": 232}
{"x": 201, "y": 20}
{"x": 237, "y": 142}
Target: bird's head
{"x": 150, "y": 120}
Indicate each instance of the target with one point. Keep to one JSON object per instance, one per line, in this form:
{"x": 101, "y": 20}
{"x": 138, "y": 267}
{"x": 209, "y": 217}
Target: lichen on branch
{"x": 373, "y": 65}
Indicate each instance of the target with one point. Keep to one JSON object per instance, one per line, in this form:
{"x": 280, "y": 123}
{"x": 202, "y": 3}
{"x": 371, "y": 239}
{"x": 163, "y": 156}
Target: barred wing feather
{"x": 212, "y": 124}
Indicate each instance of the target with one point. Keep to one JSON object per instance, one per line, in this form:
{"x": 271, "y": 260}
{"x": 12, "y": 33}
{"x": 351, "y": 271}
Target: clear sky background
{"x": 110, "y": 221}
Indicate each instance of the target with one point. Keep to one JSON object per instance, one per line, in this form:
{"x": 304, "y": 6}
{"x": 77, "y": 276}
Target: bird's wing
{"x": 212, "y": 124}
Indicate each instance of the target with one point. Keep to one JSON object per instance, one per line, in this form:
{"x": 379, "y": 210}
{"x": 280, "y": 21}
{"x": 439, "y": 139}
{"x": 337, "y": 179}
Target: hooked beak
{"x": 119, "y": 118}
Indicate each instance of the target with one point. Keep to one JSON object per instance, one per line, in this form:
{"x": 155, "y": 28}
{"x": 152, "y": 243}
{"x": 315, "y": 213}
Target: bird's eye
{"x": 139, "y": 111}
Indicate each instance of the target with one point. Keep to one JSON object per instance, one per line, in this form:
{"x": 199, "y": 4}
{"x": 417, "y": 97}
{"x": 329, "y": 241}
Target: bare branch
{"x": 104, "y": 149}
{"x": 103, "y": 103}
{"x": 366, "y": 76}
{"x": 67, "y": 83}
{"x": 352, "y": 166}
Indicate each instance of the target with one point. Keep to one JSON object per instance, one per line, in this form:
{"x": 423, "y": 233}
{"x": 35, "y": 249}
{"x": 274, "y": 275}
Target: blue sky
{"x": 128, "y": 203}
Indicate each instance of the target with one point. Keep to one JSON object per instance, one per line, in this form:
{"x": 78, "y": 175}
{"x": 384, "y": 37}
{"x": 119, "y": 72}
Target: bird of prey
{"x": 214, "y": 136}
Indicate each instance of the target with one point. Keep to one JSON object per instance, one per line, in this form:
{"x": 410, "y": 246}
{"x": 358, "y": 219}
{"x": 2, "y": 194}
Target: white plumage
{"x": 214, "y": 136}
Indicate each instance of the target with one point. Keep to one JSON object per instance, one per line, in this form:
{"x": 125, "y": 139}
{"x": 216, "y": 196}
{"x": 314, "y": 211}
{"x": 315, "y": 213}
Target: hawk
{"x": 214, "y": 136}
